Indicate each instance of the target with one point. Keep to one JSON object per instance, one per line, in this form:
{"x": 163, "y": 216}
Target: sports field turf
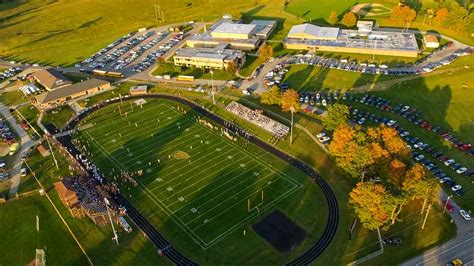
{"x": 318, "y": 10}
{"x": 194, "y": 176}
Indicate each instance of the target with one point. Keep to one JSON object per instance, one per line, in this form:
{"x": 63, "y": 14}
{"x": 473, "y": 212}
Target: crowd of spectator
{"x": 258, "y": 118}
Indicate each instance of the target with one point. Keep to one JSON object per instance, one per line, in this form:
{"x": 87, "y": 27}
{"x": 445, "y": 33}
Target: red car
{"x": 449, "y": 207}
{"x": 464, "y": 147}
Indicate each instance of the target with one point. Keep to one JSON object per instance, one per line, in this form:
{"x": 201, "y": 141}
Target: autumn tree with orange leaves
{"x": 356, "y": 150}
{"x": 290, "y": 99}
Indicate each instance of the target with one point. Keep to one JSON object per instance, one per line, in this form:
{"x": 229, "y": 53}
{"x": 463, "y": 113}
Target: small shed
{"x": 138, "y": 90}
{"x": 430, "y": 41}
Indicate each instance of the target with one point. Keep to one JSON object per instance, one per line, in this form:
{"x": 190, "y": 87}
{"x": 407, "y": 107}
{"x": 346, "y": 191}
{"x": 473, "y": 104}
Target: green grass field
{"x": 197, "y": 193}
{"x": 20, "y": 238}
{"x": 198, "y": 73}
{"x": 316, "y": 78}
{"x": 318, "y": 12}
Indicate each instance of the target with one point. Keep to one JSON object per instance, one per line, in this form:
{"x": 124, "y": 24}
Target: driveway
{"x": 26, "y": 143}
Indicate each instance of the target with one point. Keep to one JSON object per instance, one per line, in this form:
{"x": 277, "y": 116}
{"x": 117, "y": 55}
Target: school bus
{"x": 185, "y": 78}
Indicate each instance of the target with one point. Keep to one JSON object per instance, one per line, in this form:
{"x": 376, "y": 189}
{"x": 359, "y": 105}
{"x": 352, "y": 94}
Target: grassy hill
{"x": 62, "y": 32}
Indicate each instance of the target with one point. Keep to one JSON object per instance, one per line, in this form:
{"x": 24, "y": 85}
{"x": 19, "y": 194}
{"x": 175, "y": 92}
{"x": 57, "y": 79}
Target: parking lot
{"x": 276, "y": 75}
{"x": 132, "y": 53}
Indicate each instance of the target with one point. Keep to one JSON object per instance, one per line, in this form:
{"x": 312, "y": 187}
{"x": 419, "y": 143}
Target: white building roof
{"x": 234, "y": 28}
{"x": 308, "y": 31}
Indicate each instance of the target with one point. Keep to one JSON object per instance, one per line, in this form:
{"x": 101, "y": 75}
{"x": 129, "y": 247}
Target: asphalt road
{"x": 26, "y": 144}
{"x": 333, "y": 208}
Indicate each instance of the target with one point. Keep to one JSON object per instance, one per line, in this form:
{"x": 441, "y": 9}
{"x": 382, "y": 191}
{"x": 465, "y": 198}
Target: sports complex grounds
{"x": 190, "y": 174}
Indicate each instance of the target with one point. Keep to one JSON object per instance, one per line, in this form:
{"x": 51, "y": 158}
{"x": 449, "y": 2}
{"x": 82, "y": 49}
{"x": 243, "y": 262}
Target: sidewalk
{"x": 26, "y": 143}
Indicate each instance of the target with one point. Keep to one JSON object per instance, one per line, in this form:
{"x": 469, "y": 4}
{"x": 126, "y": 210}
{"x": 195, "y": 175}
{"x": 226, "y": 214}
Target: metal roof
{"x": 70, "y": 90}
{"x": 51, "y": 78}
{"x": 314, "y": 31}
{"x": 234, "y": 28}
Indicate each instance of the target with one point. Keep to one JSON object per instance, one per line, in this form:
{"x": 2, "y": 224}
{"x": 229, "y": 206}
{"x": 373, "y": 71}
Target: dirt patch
{"x": 181, "y": 155}
{"x": 280, "y": 231}
{"x": 375, "y": 10}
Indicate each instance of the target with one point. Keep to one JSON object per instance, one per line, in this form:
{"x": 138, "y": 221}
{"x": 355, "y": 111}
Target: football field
{"x": 187, "y": 171}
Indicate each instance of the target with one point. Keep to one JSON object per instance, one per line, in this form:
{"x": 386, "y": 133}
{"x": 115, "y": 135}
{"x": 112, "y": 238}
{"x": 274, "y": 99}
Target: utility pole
{"x": 212, "y": 86}
{"x": 292, "y": 109}
{"x": 157, "y": 11}
{"x": 111, "y": 222}
{"x": 426, "y": 217}
{"x": 162, "y": 17}
{"x": 446, "y": 203}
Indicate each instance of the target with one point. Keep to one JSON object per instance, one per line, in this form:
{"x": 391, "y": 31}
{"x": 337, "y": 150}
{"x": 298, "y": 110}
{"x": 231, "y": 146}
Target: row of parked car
{"x": 447, "y": 60}
{"x": 105, "y": 49}
{"x": 137, "y": 52}
{"x": 8, "y": 73}
{"x": 413, "y": 115}
{"x": 276, "y": 75}
{"x": 6, "y": 133}
{"x": 150, "y": 59}
{"x": 417, "y": 145}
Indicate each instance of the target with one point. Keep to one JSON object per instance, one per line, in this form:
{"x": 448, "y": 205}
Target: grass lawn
{"x": 134, "y": 249}
{"x": 20, "y": 238}
{"x": 40, "y": 31}
{"x": 314, "y": 78}
{"x": 12, "y": 98}
{"x": 198, "y": 73}
{"x": 197, "y": 194}
{"x": 58, "y": 116}
{"x": 251, "y": 63}
{"x": 320, "y": 11}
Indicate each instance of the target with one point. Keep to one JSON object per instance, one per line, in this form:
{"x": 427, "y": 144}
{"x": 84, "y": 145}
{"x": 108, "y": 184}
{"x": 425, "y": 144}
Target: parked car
{"x": 465, "y": 215}
{"x": 395, "y": 241}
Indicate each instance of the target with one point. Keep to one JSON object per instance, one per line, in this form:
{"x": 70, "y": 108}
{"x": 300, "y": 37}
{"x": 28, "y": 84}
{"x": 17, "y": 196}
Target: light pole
{"x": 111, "y": 222}
{"x": 446, "y": 203}
{"x": 292, "y": 109}
{"x": 212, "y": 86}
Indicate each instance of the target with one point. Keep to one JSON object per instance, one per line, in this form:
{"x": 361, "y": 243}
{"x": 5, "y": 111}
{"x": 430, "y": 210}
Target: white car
{"x": 23, "y": 172}
{"x": 465, "y": 215}
{"x": 444, "y": 180}
{"x": 391, "y": 123}
{"x": 419, "y": 157}
{"x": 456, "y": 188}
{"x": 405, "y": 108}
{"x": 461, "y": 170}
{"x": 449, "y": 162}
{"x": 404, "y": 134}
{"x": 324, "y": 139}
{"x": 418, "y": 145}
{"x": 324, "y": 102}
{"x": 320, "y": 135}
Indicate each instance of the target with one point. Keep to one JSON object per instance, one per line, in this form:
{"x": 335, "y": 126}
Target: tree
{"x": 441, "y": 16}
{"x": 403, "y": 15}
{"x": 290, "y": 100}
{"x": 392, "y": 142}
{"x": 231, "y": 67}
{"x": 160, "y": 61}
{"x": 236, "y": 14}
{"x": 349, "y": 19}
{"x": 396, "y": 171}
{"x": 271, "y": 97}
{"x": 332, "y": 19}
{"x": 370, "y": 204}
{"x": 265, "y": 52}
{"x": 457, "y": 18}
{"x": 337, "y": 114}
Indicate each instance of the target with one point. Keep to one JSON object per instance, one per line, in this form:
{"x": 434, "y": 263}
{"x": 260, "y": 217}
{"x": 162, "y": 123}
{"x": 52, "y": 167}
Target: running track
{"x": 158, "y": 240}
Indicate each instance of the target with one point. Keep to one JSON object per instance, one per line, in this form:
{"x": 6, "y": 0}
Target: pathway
{"x": 26, "y": 144}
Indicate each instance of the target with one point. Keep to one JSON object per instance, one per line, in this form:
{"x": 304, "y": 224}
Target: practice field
{"x": 208, "y": 185}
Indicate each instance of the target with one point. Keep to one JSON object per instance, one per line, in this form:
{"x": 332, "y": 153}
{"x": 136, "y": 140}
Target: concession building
{"x": 59, "y": 96}
{"x": 365, "y": 40}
